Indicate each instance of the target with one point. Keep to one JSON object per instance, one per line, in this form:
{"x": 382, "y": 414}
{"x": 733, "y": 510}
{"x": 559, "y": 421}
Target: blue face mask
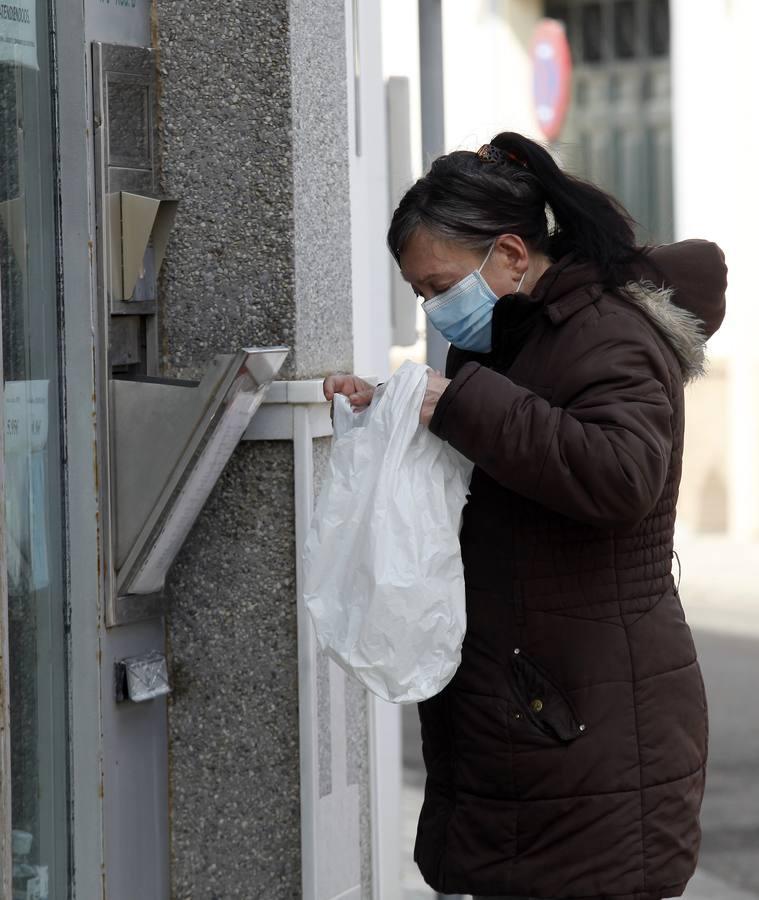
{"x": 464, "y": 313}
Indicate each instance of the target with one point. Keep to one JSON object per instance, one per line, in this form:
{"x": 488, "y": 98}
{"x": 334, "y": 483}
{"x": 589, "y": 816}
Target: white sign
{"x": 18, "y": 33}
{"x": 118, "y": 21}
{"x": 26, "y": 416}
{"x": 26, "y": 525}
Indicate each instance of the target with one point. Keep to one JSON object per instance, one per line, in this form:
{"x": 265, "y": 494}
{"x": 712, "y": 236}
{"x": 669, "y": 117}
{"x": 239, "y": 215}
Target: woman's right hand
{"x": 358, "y": 391}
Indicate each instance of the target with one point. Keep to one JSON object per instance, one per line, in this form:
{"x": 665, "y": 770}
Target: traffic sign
{"x": 552, "y": 76}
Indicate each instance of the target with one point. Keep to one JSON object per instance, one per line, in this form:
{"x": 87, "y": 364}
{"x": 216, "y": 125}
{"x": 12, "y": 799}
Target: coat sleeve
{"x": 602, "y": 456}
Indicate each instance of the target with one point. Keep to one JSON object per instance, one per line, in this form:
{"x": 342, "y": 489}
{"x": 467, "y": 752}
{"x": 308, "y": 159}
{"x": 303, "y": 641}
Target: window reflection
{"x": 32, "y": 483}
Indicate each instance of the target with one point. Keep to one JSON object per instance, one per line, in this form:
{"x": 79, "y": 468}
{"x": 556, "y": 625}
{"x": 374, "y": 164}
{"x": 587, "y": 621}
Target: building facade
{"x": 657, "y": 87}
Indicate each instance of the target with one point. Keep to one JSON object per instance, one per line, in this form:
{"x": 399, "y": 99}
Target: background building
{"x": 644, "y": 107}
{"x": 661, "y": 115}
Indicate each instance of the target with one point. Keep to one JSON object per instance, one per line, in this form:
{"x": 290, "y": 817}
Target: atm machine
{"x": 163, "y": 443}
{"x": 150, "y": 499}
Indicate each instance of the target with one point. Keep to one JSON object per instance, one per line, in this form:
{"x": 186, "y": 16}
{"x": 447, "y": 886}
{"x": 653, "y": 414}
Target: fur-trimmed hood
{"x": 682, "y": 290}
{"x": 684, "y": 331}
{"x": 696, "y": 272}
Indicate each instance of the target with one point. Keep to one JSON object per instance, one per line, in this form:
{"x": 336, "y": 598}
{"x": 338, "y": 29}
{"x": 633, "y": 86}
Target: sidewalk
{"x": 705, "y": 887}
{"x": 414, "y": 887}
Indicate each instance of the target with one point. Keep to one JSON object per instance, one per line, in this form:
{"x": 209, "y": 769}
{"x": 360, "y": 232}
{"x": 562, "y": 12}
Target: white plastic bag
{"x": 383, "y": 577}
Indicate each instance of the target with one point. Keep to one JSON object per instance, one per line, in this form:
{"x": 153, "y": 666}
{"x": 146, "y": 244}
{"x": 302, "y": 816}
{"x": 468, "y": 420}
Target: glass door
{"x": 33, "y": 509}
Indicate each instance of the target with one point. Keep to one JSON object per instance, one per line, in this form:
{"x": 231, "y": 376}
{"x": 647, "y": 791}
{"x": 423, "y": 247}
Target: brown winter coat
{"x": 566, "y": 758}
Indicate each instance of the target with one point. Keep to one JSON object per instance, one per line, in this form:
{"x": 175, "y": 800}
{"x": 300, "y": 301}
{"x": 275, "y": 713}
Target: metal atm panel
{"x": 163, "y": 442}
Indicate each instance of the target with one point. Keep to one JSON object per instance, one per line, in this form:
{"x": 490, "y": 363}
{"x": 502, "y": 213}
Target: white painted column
{"x": 367, "y": 131}
{"x": 371, "y": 263}
{"x": 330, "y": 834}
{"x": 330, "y": 826}
{"x": 386, "y": 778}
{"x": 488, "y": 71}
{"x": 716, "y": 143}
{"x": 743, "y": 152}
{"x": 5, "y": 712}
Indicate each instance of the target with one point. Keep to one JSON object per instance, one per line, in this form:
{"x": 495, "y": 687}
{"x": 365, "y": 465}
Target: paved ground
{"x": 720, "y": 593}
{"x": 730, "y": 815}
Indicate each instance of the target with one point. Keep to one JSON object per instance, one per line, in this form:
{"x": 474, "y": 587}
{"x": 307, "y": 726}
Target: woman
{"x": 566, "y": 758}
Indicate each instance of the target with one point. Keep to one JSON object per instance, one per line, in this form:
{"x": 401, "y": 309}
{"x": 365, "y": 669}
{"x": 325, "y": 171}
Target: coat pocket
{"x": 543, "y": 702}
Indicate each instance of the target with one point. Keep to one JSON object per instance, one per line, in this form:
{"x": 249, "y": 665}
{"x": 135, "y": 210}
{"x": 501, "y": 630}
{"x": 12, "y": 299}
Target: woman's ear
{"x": 513, "y": 254}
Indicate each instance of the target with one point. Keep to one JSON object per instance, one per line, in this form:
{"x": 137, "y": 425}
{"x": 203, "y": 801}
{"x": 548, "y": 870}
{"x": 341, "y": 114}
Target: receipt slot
{"x": 163, "y": 442}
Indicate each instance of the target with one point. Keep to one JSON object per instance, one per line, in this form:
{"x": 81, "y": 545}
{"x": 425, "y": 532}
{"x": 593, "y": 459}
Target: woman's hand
{"x": 436, "y": 384}
{"x": 358, "y": 391}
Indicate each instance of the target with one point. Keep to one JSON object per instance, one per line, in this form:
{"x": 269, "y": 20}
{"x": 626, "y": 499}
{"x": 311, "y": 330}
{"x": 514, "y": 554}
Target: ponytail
{"x": 587, "y": 221}
{"x": 473, "y": 197}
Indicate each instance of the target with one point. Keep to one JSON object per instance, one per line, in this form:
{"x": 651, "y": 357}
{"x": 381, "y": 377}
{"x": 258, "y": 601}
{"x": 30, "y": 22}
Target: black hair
{"x": 471, "y": 199}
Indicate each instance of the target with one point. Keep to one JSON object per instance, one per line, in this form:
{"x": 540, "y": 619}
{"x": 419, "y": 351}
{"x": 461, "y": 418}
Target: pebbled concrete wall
{"x": 254, "y": 141}
{"x": 323, "y": 307}
{"x": 225, "y": 114}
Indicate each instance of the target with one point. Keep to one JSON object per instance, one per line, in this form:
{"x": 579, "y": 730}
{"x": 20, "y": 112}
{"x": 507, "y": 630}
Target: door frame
{"x": 77, "y": 284}
{"x": 6, "y": 862}
{"x": 83, "y": 616}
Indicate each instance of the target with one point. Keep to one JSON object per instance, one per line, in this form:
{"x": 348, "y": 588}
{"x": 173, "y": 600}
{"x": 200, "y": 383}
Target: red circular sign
{"x": 552, "y": 76}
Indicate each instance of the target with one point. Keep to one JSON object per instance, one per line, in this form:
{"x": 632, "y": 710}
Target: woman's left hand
{"x": 436, "y": 384}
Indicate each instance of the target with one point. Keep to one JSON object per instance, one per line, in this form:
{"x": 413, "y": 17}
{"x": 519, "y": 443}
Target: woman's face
{"x": 433, "y": 264}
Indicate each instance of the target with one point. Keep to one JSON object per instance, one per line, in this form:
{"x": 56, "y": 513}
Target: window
{"x": 33, "y": 510}
{"x": 618, "y": 131}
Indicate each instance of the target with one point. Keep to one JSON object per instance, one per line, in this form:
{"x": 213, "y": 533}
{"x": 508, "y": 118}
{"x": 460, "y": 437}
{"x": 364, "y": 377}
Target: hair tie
{"x": 489, "y": 153}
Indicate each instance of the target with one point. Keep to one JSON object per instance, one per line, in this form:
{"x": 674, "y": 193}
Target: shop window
{"x": 658, "y": 27}
{"x": 34, "y": 528}
{"x": 619, "y": 131}
{"x": 581, "y": 92}
{"x": 625, "y": 29}
{"x": 615, "y": 87}
{"x": 592, "y": 32}
{"x": 558, "y": 11}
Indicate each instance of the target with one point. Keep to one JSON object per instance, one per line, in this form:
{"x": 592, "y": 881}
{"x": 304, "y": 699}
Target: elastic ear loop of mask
{"x": 521, "y": 280}
{"x": 487, "y": 256}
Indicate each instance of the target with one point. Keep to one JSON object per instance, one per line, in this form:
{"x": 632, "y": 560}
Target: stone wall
{"x": 254, "y": 141}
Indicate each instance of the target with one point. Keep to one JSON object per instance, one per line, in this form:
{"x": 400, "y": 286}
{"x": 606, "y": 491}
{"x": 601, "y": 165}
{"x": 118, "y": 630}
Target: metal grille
{"x": 619, "y": 128}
